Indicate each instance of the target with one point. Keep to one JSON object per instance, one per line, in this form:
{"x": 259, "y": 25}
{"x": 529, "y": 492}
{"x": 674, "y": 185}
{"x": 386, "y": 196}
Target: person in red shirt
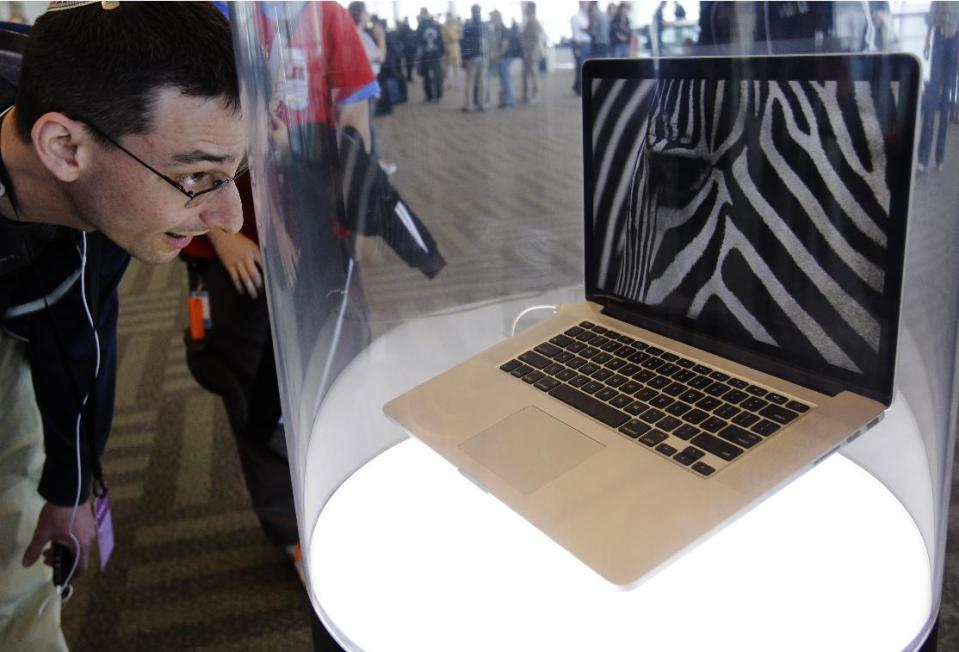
{"x": 325, "y": 80}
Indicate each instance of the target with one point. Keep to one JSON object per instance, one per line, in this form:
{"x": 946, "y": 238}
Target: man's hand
{"x": 53, "y": 525}
{"x": 241, "y": 258}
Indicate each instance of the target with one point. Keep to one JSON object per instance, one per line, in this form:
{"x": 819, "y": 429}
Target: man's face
{"x": 191, "y": 140}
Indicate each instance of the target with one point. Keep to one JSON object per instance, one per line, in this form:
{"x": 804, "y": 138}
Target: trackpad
{"x": 530, "y": 448}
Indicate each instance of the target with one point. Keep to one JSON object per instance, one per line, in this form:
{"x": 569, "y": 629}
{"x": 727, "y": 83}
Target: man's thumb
{"x": 35, "y": 548}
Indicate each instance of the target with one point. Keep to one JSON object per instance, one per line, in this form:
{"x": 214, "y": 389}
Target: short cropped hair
{"x": 107, "y": 66}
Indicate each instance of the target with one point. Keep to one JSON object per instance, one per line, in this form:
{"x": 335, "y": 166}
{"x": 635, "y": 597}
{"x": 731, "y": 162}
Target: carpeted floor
{"x": 191, "y": 569}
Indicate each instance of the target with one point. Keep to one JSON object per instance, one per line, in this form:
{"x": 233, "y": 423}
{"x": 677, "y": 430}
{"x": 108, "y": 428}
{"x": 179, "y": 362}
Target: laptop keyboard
{"x": 699, "y": 417}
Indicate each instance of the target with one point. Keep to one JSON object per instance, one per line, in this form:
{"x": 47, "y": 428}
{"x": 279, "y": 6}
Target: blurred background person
{"x": 581, "y": 43}
{"x": 452, "y": 33}
{"x": 532, "y": 37}
{"x": 941, "y": 42}
{"x": 598, "y": 31}
{"x": 429, "y": 52}
{"x": 473, "y": 59}
{"x": 620, "y": 33}
{"x": 373, "y": 39}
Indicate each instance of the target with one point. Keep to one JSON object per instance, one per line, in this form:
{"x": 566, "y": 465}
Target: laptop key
{"x": 685, "y": 363}
{"x": 654, "y": 363}
{"x": 601, "y": 358}
{"x": 533, "y": 376}
{"x": 709, "y": 403}
{"x": 615, "y": 364}
{"x": 601, "y": 375}
{"x": 625, "y": 352}
{"x": 666, "y": 450}
{"x": 754, "y": 404}
{"x": 720, "y": 376}
{"x": 653, "y": 350}
{"x": 616, "y": 381}
{"x": 721, "y": 449}
{"x": 713, "y": 424}
{"x": 668, "y": 424}
{"x": 586, "y": 324}
{"x": 638, "y": 357}
{"x": 599, "y": 329}
{"x": 668, "y": 369}
{"x": 695, "y": 416}
{"x": 589, "y": 352}
{"x": 535, "y": 360}
{"x": 630, "y": 369}
{"x": 576, "y": 363}
{"x": 702, "y": 369}
{"x": 635, "y": 429}
{"x": 589, "y": 405}
{"x": 521, "y": 371}
{"x": 605, "y": 394}
{"x": 564, "y": 357}
{"x": 546, "y": 384}
{"x": 674, "y": 389}
{"x": 598, "y": 341}
{"x": 561, "y": 341}
{"x": 778, "y": 414}
{"x": 740, "y": 437}
{"x": 573, "y": 332}
{"x": 688, "y": 455}
{"x": 745, "y": 419}
{"x": 509, "y": 366}
{"x": 699, "y": 382}
{"x": 686, "y": 431}
{"x": 644, "y": 376}
{"x": 652, "y": 415}
{"x": 589, "y": 369}
{"x": 575, "y": 347}
{"x": 661, "y": 401}
{"x": 621, "y": 401}
{"x": 579, "y": 381}
{"x": 738, "y": 383}
{"x": 642, "y": 346}
{"x": 765, "y": 428}
{"x": 726, "y": 411}
{"x": 658, "y": 382}
{"x": 586, "y": 336}
{"x": 612, "y": 347}
{"x": 669, "y": 357}
{"x": 592, "y": 387}
{"x": 653, "y": 437}
{"x": 735, "y": 396}
{"x": 554, "y": 369}
{"x": 703, "y": 469}
{"x": 683, "y": 376}
{"x": 797, "y": 406}
{"x": 717, "y": 389}
{"x": 636, "y": 408}
{"x": 778, "y": 399}
{"x": 678, "y": 409}
{"x": 691, "y": 395}
{"x": 625, "y": 339}
{"x": 631, "y": 387}
{"x": 755, "y": 390}
{"x": 646, "y": 394}
{"x": 565, "y": 374}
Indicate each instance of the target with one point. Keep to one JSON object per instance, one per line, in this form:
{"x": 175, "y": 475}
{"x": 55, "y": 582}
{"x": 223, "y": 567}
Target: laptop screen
{"x": 755, "y": 206}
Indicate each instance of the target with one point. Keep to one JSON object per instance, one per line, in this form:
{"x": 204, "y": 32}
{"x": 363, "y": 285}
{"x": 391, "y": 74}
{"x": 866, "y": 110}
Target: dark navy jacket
{"x": 34, "y": 261}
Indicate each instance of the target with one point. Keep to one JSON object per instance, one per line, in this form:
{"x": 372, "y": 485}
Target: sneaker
{"x": 389, "y": 168}
{"x": 939, "y": 166}
{"x": 296, "y": 558}
{"x": 921, "y": 168}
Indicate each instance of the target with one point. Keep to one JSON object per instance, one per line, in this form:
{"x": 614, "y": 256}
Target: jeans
{"x": 505, "y": 83}
{"x": 581, "y": 52}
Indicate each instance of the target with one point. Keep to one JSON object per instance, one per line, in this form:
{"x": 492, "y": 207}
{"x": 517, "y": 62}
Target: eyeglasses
{"x": 203, "y": 184}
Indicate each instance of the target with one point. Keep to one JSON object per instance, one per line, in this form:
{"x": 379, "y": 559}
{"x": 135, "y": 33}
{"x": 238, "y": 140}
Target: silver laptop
{"x": 745, "y": 231}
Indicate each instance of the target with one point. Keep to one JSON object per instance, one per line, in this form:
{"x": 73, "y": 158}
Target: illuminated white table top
{"x": 407, "y": 554}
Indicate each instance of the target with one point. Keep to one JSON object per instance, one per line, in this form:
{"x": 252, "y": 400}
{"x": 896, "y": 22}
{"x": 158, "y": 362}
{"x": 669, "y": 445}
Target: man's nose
{"x": 224, "y": 210}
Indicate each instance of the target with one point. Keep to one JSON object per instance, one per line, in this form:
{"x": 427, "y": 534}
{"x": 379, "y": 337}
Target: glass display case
{"x": 410, "y": 225}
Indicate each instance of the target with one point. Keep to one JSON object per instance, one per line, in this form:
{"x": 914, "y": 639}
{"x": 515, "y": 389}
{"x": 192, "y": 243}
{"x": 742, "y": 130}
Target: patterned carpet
{"x": 192, "y": 570}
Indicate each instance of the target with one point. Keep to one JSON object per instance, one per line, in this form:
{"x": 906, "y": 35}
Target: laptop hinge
{"x": 630, "y": 314}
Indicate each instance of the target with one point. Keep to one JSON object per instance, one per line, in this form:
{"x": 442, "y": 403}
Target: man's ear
{"x": 63, "y": 145}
